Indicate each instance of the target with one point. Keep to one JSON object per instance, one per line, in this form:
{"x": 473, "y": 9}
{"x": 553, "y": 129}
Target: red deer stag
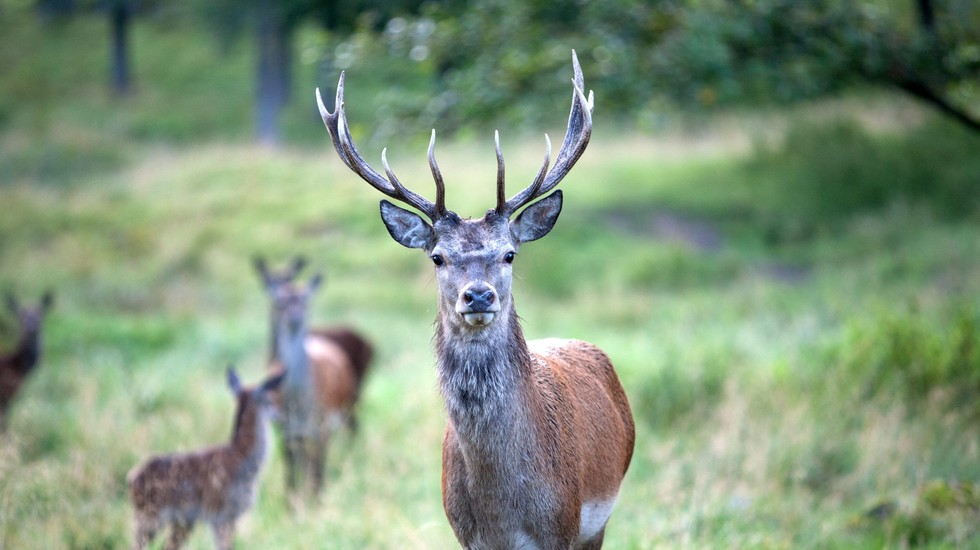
{"x": 539, "y": 433}
{"x": 359, "y": 351}
{"x": 318, "y": 392}
{"x": 16, "y": 365}
{"x": 215, "y": 485}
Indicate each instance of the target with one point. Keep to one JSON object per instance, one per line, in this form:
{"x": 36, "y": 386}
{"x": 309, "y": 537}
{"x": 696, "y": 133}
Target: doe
{"x": 323, "y": 371}
{"x": 540, "y": 433}
{"x": 215, "y": 485}
{"x": 359, "y": 351}
{"x": 16, "y": 365}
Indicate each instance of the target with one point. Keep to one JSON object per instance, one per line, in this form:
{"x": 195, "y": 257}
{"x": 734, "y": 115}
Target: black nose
{"x": 479, "y": 298}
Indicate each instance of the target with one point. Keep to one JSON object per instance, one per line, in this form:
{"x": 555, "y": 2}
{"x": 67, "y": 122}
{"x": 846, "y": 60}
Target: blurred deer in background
{"x": 323, "y": 372}
{"x": 17, "y": 364}
{"x": 358, "y": 350}
{"x": 215, "y": 485}
{"x": 540, "y": 434}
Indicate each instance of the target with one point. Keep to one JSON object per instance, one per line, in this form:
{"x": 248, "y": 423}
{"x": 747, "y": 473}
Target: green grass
{"x": 799, "y": 344}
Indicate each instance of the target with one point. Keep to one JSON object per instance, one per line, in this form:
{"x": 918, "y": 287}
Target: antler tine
{"x": 336, "y": 124}
{"x": 501, "y": 195}
{"x": 576, "y": 140}
{"x": 437, "y": 176}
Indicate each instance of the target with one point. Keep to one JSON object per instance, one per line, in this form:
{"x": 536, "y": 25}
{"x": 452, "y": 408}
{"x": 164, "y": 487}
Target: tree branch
{"x": 922, "y": 92}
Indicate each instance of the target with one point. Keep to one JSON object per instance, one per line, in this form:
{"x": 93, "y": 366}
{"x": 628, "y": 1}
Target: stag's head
{"x": 472, "y": 257}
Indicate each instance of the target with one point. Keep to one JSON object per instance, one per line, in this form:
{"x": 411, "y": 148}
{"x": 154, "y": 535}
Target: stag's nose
{"x": 479, "y": 297}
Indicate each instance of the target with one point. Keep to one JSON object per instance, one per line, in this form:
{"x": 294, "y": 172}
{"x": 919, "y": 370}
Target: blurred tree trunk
{"x": 927, "y": 16}
{"x": 275, "y": 38}
{"x": 119, "y": 18}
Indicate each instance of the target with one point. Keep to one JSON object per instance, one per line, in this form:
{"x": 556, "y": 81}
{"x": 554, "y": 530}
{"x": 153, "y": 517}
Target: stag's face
{"x": 473, "y": 259}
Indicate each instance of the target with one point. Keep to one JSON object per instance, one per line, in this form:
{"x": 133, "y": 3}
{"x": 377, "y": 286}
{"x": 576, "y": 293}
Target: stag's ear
{"x": 11, "y": 302}
{"x": 538, "y": 219}
{"x": 408, "y": 228}
{"x": 233, "y": 382}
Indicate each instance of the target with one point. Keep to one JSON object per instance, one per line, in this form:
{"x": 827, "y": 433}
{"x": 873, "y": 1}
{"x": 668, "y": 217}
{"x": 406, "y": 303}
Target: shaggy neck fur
{"x": 481, "y": 371}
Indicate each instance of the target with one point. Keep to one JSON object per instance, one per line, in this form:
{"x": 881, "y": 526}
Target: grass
{"x": 800, "y": 354}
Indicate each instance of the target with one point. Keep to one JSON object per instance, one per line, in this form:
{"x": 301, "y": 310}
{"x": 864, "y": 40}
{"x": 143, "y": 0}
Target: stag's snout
{"x": 478, "y": 304}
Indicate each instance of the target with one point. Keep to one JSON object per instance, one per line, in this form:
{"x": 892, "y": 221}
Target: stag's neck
{"x": 482, "y": 373}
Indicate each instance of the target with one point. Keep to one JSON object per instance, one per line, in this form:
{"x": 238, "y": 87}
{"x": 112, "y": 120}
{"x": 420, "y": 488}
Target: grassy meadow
{"x": 791, "y": 299}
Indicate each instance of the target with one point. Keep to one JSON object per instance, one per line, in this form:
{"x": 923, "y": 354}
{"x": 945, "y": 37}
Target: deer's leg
{"x": 145, "y": 529}
{"x": 318, "y": 459}
{"x": 143, "y": 535}
{"x": 179, "y": 530}
{"x": 292, "y": 456}
{"x": 224, "y": 535}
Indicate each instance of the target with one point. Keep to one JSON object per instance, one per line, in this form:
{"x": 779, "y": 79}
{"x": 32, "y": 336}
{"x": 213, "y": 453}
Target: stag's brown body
{"x": 539, "y": 434}
{"x": 17, "y": 365}
{"x": 215, "y": 485}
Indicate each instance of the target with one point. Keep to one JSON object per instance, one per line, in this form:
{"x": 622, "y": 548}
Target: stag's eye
{"x": 509, "y": 257}
{"x": 437, "y": 259}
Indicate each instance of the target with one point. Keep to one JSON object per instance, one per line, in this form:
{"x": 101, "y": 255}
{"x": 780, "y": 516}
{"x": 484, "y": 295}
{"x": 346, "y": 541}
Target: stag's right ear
{"x": 408, "y": 228}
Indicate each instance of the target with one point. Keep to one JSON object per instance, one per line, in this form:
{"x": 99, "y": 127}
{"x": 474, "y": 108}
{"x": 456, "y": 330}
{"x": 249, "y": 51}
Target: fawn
{"x": 215, "y": 485}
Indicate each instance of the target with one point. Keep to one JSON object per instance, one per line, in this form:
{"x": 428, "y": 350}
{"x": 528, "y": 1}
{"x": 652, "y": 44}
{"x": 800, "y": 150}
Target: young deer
{"x": 16, "y": 365}
{"x": 359, "y": 351}
{"x": 539, "y": 433}
{"x": 319, "y": 389}
{"x": 215, "y": 485}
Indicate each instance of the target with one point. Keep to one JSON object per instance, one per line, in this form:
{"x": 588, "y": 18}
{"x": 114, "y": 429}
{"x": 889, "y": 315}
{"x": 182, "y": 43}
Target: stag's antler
{"x": 576, "y": 139}
{"x": 336, "y": 124}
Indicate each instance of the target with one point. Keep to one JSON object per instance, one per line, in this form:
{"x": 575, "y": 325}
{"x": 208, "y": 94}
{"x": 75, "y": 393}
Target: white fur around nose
{"x": 594, "y": 518}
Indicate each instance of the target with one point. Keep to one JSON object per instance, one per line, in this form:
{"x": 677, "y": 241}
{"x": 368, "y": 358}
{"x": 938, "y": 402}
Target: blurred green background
{"x": 775, "y": 234}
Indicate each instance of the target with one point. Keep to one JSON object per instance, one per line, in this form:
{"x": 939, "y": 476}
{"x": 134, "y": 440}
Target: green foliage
{"x": 942, "y": 514}
{"x": 825, "y": 172}
{"x": 903, "y": 355}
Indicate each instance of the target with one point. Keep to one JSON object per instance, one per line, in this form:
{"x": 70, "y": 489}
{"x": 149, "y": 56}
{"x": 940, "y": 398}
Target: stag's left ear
{"x": 538, "y": 219}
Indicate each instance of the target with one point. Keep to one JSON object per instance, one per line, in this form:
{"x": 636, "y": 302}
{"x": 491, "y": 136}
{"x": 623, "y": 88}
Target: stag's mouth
{"x": 479, "y": 319}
